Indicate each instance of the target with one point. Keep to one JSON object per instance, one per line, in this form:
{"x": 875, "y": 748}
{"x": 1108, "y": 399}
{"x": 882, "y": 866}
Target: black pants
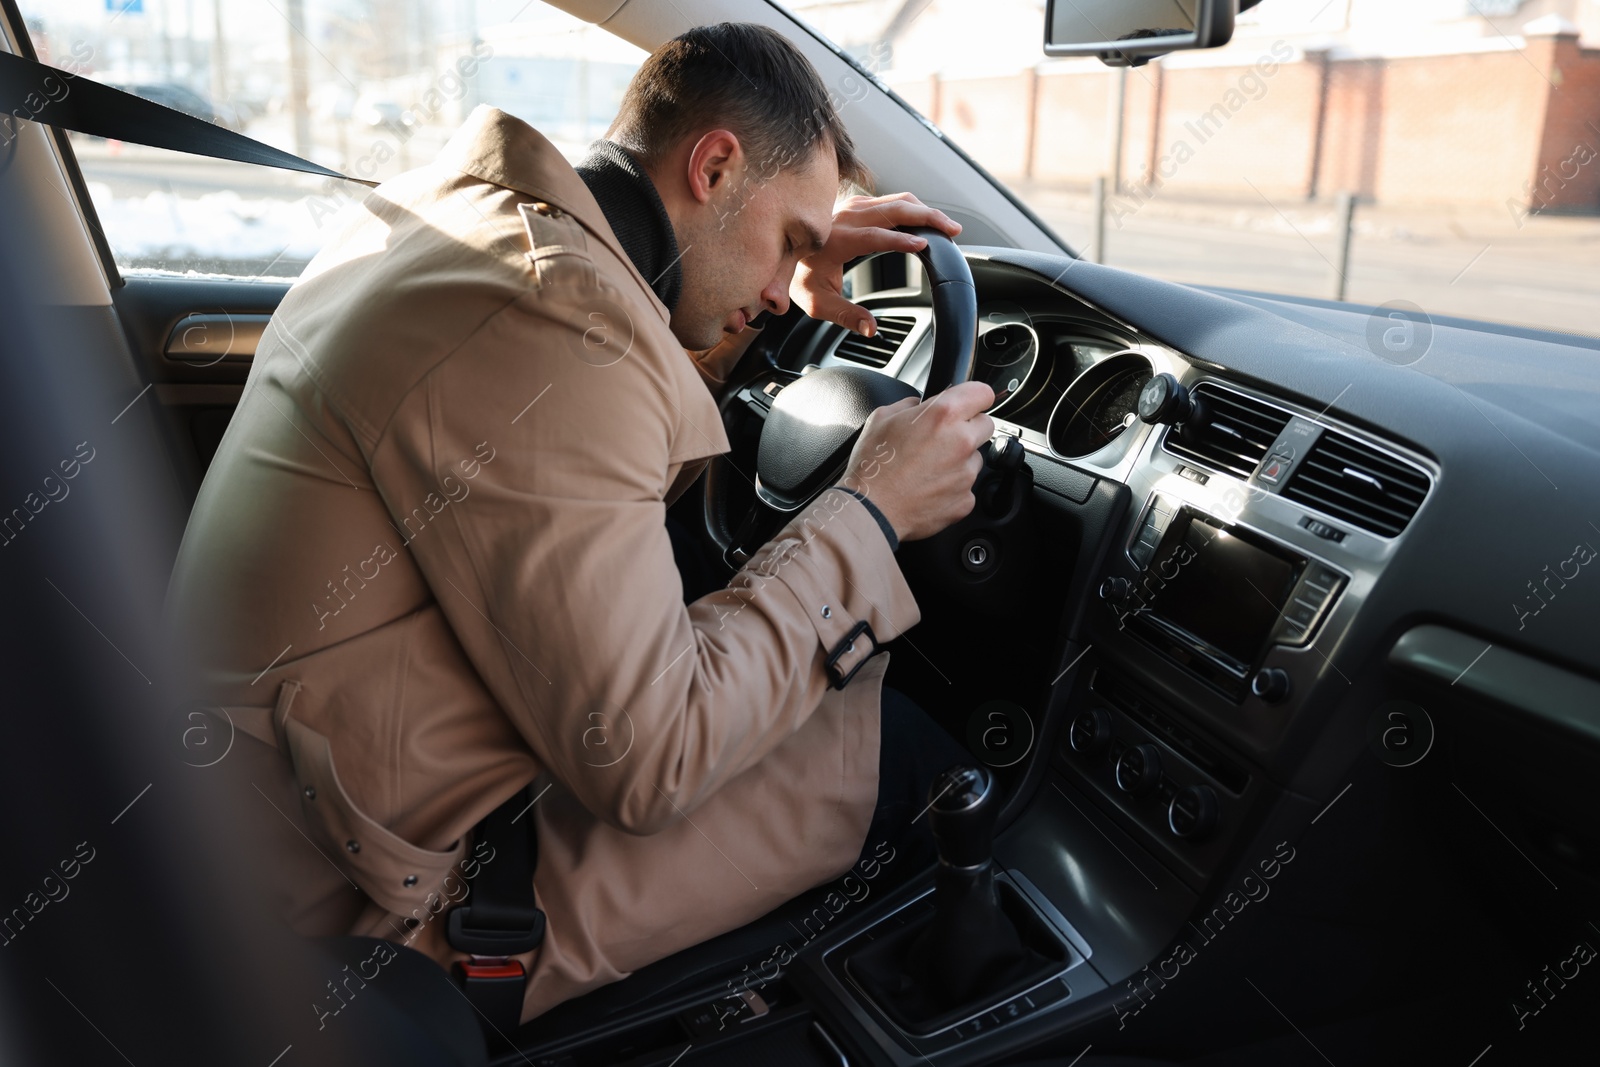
{"x": 913, "y": 749}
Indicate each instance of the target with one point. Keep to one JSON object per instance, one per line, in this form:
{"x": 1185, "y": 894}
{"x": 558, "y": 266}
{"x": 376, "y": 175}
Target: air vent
{"x": 1238, "y": 433}
{"x": 1350, "y": 480}
{"x": 879, "y": 349}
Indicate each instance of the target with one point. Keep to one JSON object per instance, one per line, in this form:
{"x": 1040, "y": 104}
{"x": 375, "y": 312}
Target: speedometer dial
{"x": 1099, "y": 405}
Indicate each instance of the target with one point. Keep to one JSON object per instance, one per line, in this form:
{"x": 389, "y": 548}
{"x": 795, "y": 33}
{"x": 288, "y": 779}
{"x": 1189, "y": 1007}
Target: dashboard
{"x": 1232, "y": 565}
{"x": 1267, "y": 556}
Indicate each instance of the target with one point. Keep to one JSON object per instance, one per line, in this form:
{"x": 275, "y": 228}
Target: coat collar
{"x": 502, "y": 149}
{"x": 633, "y": 207}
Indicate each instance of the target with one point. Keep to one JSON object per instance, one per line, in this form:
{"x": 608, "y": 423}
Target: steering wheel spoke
{"x": 810, "y": 421}
{"x": 761, "y": 392}
{"x": 756, "y": 528}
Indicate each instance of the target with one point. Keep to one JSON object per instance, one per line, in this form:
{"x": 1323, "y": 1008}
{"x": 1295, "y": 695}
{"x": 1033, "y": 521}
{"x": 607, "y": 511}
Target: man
{"x": 429, "y": 564}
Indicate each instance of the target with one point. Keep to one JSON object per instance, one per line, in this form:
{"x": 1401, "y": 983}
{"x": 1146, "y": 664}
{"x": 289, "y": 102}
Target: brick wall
{"x": 1073, "y": 142}
{"x": 1236, "y": 123}
{"x": 988, "y": 118}
{"x": 1464, "y": 128}
{"x": 1477, "y": 128}
{"x": 1352, "y": 128}
{"x": 1567, "y": 174}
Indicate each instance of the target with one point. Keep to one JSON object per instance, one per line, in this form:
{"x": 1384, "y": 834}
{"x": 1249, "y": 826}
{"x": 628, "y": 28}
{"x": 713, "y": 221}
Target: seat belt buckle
{"x": 495, "y": 986}
{"x": 847, "y": 645}
{"x": 488, "y": 941}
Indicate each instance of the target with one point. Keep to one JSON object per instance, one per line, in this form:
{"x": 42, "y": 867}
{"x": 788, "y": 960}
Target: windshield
{"x": 1441, "y": 154}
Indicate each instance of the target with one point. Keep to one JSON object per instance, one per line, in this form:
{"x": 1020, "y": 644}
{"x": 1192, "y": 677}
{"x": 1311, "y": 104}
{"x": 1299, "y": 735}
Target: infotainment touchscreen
{"x": 1217, "y": 586}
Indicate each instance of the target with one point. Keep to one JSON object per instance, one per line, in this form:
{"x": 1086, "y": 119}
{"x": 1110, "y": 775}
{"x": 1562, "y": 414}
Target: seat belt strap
{"x": 500, "y": 916}
{"x": 31, "y": 91}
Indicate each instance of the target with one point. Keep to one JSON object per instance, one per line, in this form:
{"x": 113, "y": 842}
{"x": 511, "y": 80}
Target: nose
{"x": 775, "y": 297}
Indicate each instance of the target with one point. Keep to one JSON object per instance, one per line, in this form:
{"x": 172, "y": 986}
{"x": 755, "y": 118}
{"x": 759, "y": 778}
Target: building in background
{"x": 1445, "y": 102}
{"x": 563, "y": 77}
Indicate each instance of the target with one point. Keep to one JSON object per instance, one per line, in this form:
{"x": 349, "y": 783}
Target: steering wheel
{"x": 814, "y": 419}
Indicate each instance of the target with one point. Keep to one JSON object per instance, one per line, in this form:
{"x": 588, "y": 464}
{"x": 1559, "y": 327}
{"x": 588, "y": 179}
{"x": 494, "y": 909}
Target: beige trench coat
{"x": 429, "y": 565}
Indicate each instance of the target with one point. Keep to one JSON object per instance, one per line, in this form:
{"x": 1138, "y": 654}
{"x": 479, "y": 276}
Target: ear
{"x": 713, "y": 161}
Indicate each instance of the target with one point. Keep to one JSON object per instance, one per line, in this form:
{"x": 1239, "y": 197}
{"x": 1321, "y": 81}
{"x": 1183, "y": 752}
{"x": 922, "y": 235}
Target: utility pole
{"x": 219, "y": 57}
{"x": 299, "y": 80}
{"x": 1344, "y": 213}
{"x": 166, "y": 41}
{"x": 189, "y": 63}
{"x": 1119, "y": 114}
{"x": 473, "y": 95}
{"x": 1098, "y": 208}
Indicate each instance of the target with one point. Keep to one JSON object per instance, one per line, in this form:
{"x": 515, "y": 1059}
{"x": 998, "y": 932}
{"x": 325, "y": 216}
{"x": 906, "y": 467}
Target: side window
{"x": 366, "y": 87}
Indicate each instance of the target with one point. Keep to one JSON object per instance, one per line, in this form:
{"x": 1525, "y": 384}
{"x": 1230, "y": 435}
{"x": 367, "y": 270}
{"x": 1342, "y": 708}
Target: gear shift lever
{"x": 979, "y": 942}
{"x": 963, "y": 810}
{"x": 971, "y": 942}
{"x": 983, "y": 941}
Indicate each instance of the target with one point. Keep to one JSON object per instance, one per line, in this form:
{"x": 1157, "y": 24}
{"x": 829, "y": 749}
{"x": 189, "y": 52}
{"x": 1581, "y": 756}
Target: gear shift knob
{"x": 963, "y": 806}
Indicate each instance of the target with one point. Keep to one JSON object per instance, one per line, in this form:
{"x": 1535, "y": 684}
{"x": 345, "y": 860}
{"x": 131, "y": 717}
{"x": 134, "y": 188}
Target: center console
{"x": 1215, "y": 610}
{"x": 1223, "y": 601}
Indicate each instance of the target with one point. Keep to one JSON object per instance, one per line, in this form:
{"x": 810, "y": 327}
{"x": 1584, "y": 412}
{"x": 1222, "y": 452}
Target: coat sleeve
{"x": 527, "y": 476}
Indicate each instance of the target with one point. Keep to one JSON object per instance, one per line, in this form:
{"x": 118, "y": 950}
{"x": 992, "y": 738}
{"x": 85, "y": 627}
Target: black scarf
{"x": 634, "y": 210}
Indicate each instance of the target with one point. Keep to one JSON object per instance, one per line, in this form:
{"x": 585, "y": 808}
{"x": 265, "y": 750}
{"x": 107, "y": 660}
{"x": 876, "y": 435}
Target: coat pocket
{"x": 399, "y": 876}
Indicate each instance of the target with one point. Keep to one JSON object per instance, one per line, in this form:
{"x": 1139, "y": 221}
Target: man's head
{"x": 738, "y": 134}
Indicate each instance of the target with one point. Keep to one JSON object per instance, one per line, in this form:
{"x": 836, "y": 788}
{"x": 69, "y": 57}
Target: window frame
{"x": 21, "y": 42}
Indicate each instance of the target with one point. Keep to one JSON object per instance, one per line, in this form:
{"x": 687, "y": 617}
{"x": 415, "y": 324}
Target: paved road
{"x": 1475, "y": 264}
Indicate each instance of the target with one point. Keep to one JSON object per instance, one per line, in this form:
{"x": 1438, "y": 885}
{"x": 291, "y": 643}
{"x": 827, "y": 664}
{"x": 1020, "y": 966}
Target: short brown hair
{"x": 745, "y": 77}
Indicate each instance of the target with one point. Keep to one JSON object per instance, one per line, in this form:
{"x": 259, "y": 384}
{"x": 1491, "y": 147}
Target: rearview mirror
{"x": 1127, "y": 33}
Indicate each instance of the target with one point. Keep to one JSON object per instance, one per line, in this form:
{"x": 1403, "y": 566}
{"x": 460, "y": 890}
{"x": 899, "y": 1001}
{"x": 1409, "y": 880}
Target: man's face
{"x": 740, "y": 249}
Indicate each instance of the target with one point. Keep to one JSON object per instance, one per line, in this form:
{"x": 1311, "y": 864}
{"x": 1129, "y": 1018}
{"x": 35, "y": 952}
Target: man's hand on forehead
{"x": 862, "y": 225}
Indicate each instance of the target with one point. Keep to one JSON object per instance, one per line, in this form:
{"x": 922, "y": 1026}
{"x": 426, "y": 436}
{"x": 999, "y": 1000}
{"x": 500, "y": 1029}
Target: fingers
{"x": 834, "y": 308}
{"x": 968, "y": 398}
{"x": 902, "y": 209}
{"x": 865, "y": 240}
{"x": 966, "y": 406}
{"x": 983, "y": 430}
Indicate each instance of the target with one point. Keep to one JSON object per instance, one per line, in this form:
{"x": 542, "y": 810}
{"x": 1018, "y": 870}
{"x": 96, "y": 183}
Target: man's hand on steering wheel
{"x": 862, "y": 225}
{"x": 918, "y": 459}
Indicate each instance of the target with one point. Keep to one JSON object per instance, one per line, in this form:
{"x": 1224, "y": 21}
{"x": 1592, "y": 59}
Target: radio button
{"x": 1090, "y": 733}
{"x": 1301, "y": 612}
{"x": 1115, "y": 590}
{"x": 1139, "y": 769}
{"x": 1271, "y": 684}
{"x": 1192, "y": 814}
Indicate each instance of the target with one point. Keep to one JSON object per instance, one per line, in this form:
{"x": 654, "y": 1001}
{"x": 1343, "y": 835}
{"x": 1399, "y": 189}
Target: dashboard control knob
{"x": 1164, "y": 399}
{"x": 1115, "y": 590}
{"x": 1192, "y": 814}
{"x": 1139, "y": 769}
{"x": 1270, "y": 684}
{"x": 1090, "y": 733}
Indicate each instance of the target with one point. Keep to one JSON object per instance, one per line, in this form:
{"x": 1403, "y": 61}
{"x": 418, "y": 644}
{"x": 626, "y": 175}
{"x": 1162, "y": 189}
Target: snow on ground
{"x": 223, "y": 232}
{"x": 173, "y": 232}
